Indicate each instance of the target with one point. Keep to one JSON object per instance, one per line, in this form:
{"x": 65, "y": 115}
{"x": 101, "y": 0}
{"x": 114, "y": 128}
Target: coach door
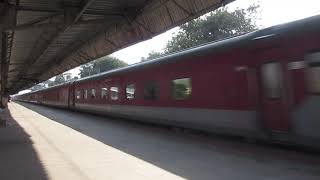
{"x": 71, "y": 99}
{"x": 273, "y": 97}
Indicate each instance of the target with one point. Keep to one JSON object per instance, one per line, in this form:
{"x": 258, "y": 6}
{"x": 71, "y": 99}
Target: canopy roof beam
{"x": 71, "y": 16}
{"x": 52, "y": 37}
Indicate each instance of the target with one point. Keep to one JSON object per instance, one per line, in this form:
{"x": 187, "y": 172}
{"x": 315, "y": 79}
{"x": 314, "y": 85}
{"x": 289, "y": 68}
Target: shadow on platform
{"x": 186, "y": 156}
{"x": 18, "y": 158}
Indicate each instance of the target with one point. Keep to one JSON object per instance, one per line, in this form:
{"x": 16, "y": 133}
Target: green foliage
{"x": 152, "y": 55}
{"x": 101, "y": 65}
{"x": 108, "y": 63}
{"x": 37, "y": 87}
{"x": 59, "y": 79}
{"x": 86, "y": 70}
{"x": 67, "y": 76}
{"x": 49, "y": 83}
{"x": 219, "y": 24}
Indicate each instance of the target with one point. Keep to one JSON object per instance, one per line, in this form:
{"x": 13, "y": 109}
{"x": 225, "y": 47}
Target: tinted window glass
{"x": 78, "y": 95}
{"x": 313, "y": 79}
{"x": 93, "y": 93}
{"x": 104, "y": 93}
{"x": 313, "y": 72}
{"x": 114, "y": 93}
{"x": 85, "y": 94}
{"x": 272, "y": 80}
{"x": 181, "y": 88}
{"x": 151, "y": 91}
{"x": 130, "y": 90}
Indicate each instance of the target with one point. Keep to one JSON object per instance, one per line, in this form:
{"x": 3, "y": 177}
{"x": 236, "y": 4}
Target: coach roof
{"x": 305, "y": 25}
{"x": 308, "y": 24}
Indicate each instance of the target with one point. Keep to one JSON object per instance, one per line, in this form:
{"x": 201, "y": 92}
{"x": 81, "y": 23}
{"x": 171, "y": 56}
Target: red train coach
{"x": 264, "y": 84}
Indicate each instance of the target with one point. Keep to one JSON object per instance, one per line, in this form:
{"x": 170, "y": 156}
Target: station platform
{"x": 48, "y": 143}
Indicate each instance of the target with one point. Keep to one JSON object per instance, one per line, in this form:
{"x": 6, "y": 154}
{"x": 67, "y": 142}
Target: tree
{"x": 51, "y": 83}
{"x": 37, "y": 87}
{"x": 108, "y": 63}
{"x": 101, "y": 65}
{"x": 152, "y": 55}
{"x": 46, "y": 84}
{"x": 67, "y": 76}
{"x": 41, "y": 85}
{"x": 86, "y": 70}
{"x": 216, "y": 25}
{"x": 59, "y": 79}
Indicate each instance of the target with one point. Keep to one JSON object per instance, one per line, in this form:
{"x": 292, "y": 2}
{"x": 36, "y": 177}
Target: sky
{"x": 272, "y": 12}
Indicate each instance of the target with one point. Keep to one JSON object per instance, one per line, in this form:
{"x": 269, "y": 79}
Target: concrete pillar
{"x": 3, "y": 106}
{"x": 3, "y": 74}
{"x": 7, "y": 21}
{"x": 4, "y": 101}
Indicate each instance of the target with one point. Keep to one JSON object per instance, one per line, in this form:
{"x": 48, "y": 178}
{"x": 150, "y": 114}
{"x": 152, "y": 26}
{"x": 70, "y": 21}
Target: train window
{"x": 272, "y": 79}
{"x": 151, "y": 91}
{"x": 78, "y": 95}
{"x": 114, "y": 93}
{"x": 313, "y": 79}
{"x": 130, "y": 90}
{"x": 104, "y": 93}
{"x": 93, "y": 93}
{"x": 85, "y": 94}
{"x": 181, "y": 88}
{"x": 296, "y": 65}
{"x": 313, "y": 72}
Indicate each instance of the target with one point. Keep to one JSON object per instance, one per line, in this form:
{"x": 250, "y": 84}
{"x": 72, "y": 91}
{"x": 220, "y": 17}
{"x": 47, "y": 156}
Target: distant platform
{"x": 48, "y": 143}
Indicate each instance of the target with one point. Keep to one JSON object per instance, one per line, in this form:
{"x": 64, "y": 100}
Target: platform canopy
{"x": 43, "y": 38}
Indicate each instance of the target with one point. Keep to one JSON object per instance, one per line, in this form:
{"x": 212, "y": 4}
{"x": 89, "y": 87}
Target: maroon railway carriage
{"x": 264, "y": 84}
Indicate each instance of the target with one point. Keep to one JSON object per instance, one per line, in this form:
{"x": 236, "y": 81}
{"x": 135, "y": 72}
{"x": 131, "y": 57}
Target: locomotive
{"x": 264, "y": 85}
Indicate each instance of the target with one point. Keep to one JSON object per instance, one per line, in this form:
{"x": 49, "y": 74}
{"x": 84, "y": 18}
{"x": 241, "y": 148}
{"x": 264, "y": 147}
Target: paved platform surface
{"x": 48, "y": 143}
